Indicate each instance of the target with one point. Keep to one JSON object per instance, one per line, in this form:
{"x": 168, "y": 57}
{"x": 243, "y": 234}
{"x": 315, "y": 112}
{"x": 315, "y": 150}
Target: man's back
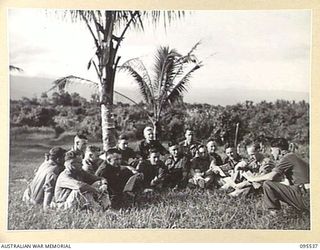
{"x": 45, "y": 179}
{"x": 294, "y": 168}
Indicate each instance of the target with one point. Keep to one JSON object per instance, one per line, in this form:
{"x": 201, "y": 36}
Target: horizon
{"x": 228, "y": 100}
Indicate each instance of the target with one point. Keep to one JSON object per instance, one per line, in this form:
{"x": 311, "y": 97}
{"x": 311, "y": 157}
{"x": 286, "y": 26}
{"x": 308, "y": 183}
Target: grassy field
{"x": 169, "y": 209}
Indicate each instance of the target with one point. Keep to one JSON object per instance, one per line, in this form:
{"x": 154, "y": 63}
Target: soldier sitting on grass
{"x": 80, "y": 142}
{"x": 127, "y": 153}
{"x": 149, "y": 143}
{"x": 153, "y": 170}
{"x": 226, "y": 176}
{"x": 296, "y": 171}
{"x": 178, "y": 167}
{"x": 200, "y": 174}
{"x": 91, "y": 160}
{"x": 79, "y": 189}
{"x": 41, "y": 188}
{"x": 212, "y": 154}
{"x": 257, "y": 164}
{"x": 122, "y": 182}
{"x": 189, "y": 144}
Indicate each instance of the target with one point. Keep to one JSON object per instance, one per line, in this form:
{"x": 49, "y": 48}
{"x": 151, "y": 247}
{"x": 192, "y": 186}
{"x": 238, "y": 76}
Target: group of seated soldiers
{"x": 83, "y": 178}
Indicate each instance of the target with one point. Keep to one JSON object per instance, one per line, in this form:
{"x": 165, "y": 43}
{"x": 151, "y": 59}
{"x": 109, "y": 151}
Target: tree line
{"x": 63, "y": 111}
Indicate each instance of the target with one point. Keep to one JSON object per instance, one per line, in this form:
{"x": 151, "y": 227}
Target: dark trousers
{"x": 119, "y": 198}
{"x": 178, "y": 177}
{"x": 274, "y": 192}
{"x": 133, "y": 184}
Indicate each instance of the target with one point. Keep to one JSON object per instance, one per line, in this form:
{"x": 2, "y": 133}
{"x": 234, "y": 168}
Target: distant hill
{"x": 21, "y": 86}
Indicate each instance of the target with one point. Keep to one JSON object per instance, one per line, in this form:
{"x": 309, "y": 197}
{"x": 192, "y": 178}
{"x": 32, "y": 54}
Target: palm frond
{"x": 181, "y": 86}
{"x": 133, "y": 67}
{"x": 164, "y": 61}
{"x": 14, "y": 68}
{"x": 62, "y": 83}
{"x": 166, "y": 17}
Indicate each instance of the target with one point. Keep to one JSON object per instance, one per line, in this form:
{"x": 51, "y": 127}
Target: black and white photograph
{"x": 159, "y": 119}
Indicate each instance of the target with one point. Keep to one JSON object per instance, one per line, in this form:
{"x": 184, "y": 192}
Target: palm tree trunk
{"x": 108, "y": 127}
{"x": 107, "y": 70}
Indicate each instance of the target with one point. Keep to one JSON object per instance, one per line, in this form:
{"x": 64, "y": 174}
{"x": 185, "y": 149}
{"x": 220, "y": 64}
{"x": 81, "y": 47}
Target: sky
{"x": 241, "y": 50}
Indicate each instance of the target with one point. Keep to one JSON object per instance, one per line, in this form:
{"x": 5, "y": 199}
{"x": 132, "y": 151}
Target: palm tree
{"x": 107, "y": 29}
{"x": 171, "y": 74}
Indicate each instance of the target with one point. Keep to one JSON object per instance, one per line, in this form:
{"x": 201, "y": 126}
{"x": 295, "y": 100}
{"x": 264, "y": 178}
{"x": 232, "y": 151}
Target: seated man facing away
{"x": 153, "y": 170}
{"x": 178, "y": 167}
{"x": 199, "y": 169}
{"x": 41, "y": 188}
{"x": 121, "y": 180}
{"x": 149, "y": 143}
{"x": 91, "y": 160}
{"x": 79, "y": 189}
{"x": 296, "y": 171}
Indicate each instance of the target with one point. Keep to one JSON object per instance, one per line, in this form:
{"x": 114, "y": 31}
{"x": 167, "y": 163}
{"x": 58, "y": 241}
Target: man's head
{"x": 188, "y": 135}
{"x": 148, "y": 133}
{"x": 154, "y": 156}
{"x": 57, "y": 154}
{"x": 114, "y": 157}
{"x": 174, "y": 149}
{"x": 123, "y": 142}
{"x": 72, "y": 162}
{"x": 91, "y": 153}
{"x": 230, "y": 151}
{"x": 253, "y": 150}
{"x": 80, "y": 142}
{"x": 201, "y": 151}
{"x": 211, "y": 146}
{"x": 278, "y": 147}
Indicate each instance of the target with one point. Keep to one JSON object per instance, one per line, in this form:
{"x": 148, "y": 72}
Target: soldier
{"x": 79, "y": 189}
{"x": 189, "y": 145}
{"x": 121, "y": 180}
{"x": 153, "y": 170}
{"x": 226, "y": 174}
{"x": 296, "y": 171}
{"x": 257, "y": 164}
{"x": 199, "y": 169}
{"x": 127, "y": 153}
{"x": 149, "y": 143}
{"x": 178, "y": 167}
{"x": 79, "y": 145}
{"x": 213, "y": 156}
{"x": 91, "y": 160}
{"x": 41, "y": 188}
